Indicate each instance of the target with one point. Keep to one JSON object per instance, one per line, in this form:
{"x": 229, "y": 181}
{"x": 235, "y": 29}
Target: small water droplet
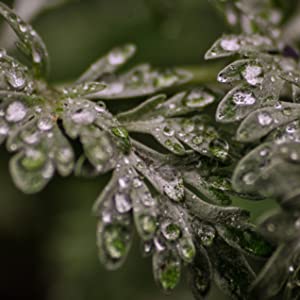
{"x": 249, "y": 178}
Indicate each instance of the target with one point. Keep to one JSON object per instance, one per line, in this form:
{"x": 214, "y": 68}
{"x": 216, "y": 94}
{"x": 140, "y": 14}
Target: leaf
{"x": 279, "y": 227}
{"x": 229, "y": 45}
{"x": 166, "y": 269}
{"x": 145, "y": 209}
{"x": 31, "y": 171}
{"x": 200, "y": 274}
{"x": 140, "y": 81}
{"x": 212, "y": 213}
{"x": 164, "y": 178}
{"x": 108, "y": 64}
{"x": 250, "y": 70}
{"x": 233, "y": 275}
{"x": 245, "y": 239}
{"x": 31, "y": 44}
{"x": 260, "y": 122}
{"x": 274, "y": 274}
{"x": 214, "y": 190}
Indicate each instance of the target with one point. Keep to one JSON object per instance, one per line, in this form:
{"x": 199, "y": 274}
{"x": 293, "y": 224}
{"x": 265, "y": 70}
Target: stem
{"x": 204, "y": 74}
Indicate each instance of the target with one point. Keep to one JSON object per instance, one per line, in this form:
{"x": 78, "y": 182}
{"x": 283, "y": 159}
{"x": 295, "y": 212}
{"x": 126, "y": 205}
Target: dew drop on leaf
{"x": 122, "y": 203}
{"x": 166, "y": 269}
{"x": 264, "y": 118}
{"x": 230, "y": 44}
{"x": 170, "y": 230}
{"x": 15, "y": 112}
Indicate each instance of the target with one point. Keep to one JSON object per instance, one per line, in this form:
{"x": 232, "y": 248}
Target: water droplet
{"x": 219, "y": 148}
{"x": 252, "y": 74}
{"x": 4, "y": 129}
{"x": 124, "y": 183}
{"x": 199, "y": 98}
{"x": 16, "y": 79}
{"x": 170, "y": 230}
{"x": 84, "y": 117}
{"x": 148, "y": 225}
{"x": 243, "y": 98}
{"x": 197, "y": 140}
{"x": 264, "y": 118}
{"x": 168, "y": 131}
{"x": 116, "y": 57}
{"x": 137, "y": 182}
{"x": 115, "y": 241}
{"x": 230, "y": 44}
{"x": 16, "y": 112}
{"x": 207, "y": 235}
{"x": 33, "y": 160}
{"x": 249, "y": 178}
{"x": 122, "y": 202}
{"x": 45, "y": 124}
{"x": 187, "y": 249}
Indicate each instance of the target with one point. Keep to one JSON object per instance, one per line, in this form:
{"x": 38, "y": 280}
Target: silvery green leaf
{"x": 111, "y": 62}
{"x": 199, "y": 136}
{"x": 179, "y": 104}
{"x": 262, "y": 121}
{"x": 275, "y": 272}
{"x": 292, "y": 76}
{"x": 232, "y": 273}
{"x": 164, "y": 177}
{"x": 84, "y": 90}
{"x": 145, "y": 209}
{"x": 31, "y": 170}
{"x": 213, "y": 213}
{"x": 229, "y": 45}
{"x": 237, "y": 104}
{"x": 280, "y": 227}
{"x": 201, "y": 274}
{"x": 214, "y": 190}
{"x": 113, "y": 241}
{"x": 30, "y": 42}
{"x": 267, "y": 168}
{"x": 166, "y": 269}
{"x": 250, "y": 70}
{"x": 140, "y": 81}
{"x": 245, "y": 239}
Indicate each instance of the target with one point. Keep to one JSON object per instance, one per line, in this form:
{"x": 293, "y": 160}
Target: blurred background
{"x": 47, "y": 241}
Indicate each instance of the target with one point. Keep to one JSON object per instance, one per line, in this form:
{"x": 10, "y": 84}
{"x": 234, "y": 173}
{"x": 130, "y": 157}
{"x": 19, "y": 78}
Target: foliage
{"x": 171, "y": 164}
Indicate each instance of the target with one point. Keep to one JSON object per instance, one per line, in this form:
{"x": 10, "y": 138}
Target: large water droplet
{"x": 243, "y": 98}
{"x": 16, "y": 79}
{"x": 84, "y": 117}
{"x": 230, "y": 44}
{"x": 170, "y": 230}
{"x": 122, "y": 202}
{"x": 16, "y": 112}
{"x": 252, "y": 74}
{"x": 264, "y": 118}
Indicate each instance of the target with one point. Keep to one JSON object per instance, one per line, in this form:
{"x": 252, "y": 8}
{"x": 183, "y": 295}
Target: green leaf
{"x": 230, "y": 44}
{"x": 262, "y": 121}
{"x": 233, "y": 275}
{"x": 31, "y": 44}
{"x": 245, "y": 239}
{"x": 111, "y": 62}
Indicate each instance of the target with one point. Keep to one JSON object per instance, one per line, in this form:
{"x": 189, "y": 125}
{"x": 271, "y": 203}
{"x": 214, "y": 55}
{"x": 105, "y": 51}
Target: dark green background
{"x": 47, "y": 241}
